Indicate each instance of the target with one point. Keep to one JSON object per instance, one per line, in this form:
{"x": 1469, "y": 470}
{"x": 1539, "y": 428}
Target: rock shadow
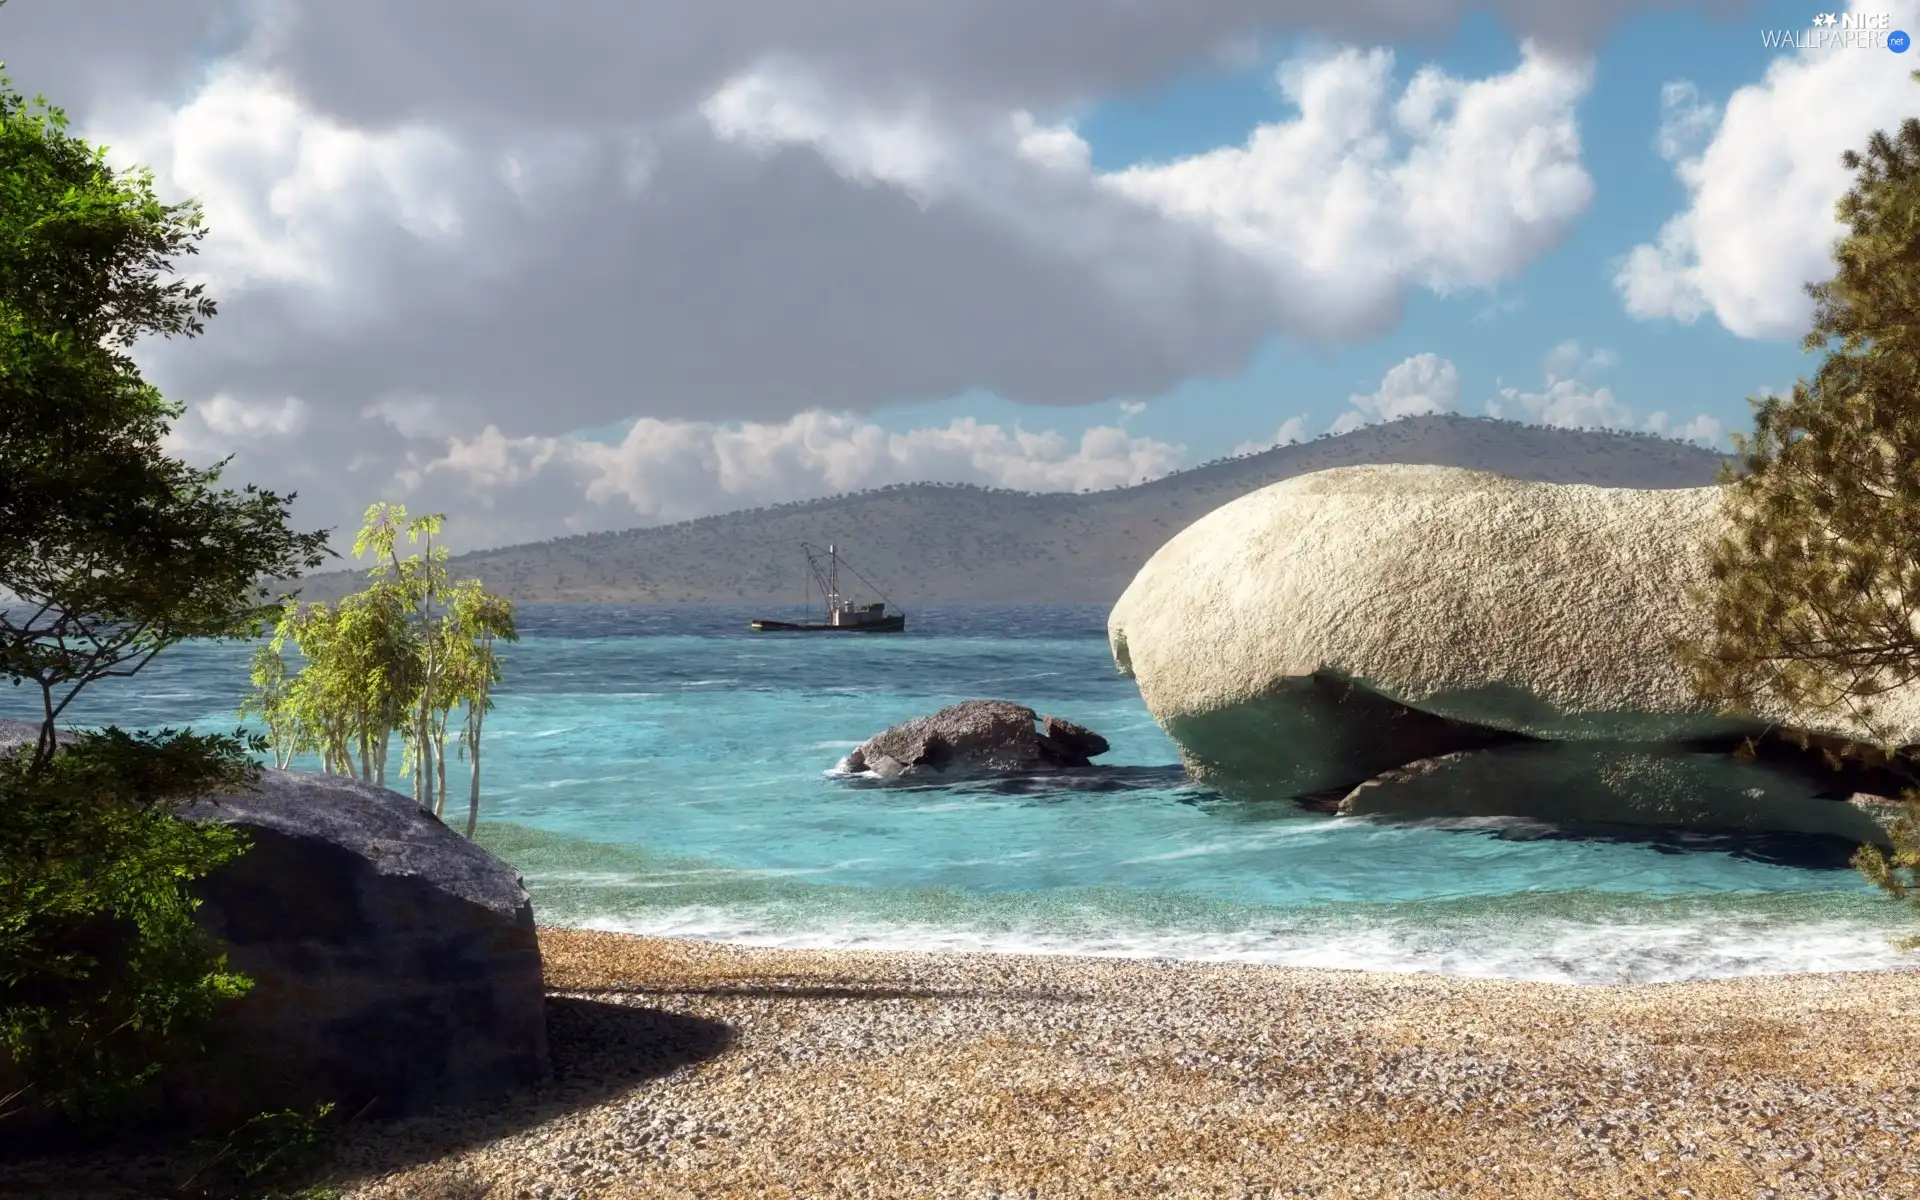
{"x": 1059, "y": 783}
{"x": 599, "y": 1048}
{"x": 1808, "y": 851}
{"x": 775, "y": 991}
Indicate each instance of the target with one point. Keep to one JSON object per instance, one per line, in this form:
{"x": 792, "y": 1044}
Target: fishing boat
{"x": 842, "y": 615}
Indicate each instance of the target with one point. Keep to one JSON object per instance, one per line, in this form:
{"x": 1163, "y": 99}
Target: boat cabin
{"x": 857, "y": 614}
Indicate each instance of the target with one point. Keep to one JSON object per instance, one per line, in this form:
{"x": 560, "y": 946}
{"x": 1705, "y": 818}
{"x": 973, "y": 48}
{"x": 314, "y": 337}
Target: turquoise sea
{"x": 662, "y": 770}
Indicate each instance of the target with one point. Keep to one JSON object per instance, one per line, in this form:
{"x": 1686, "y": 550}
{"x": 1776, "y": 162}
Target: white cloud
{"x": 1292, "y": 430}
{"x": 1570, "y": 401}
{"x": 1569, "y": 359}
{"x": 291, "y": 193}
{"x": 1565, "y": 402}
{"x": 411, "y": 414}
{"x": 1451, "y": 184}
{"x": 676, "y": 470}
{"x": 1686, "y": 121}
{"x": 1418, "y": 386}
{"x": 691, "y": 218}
{"x": 1759, "y": 223}
{"x": 224, "y": 414}
{"x": 1703, "y": 429}
{"x": 208, "y": 429}
{"x": 780, "y": 104}
{"x": 1497, "y": 308}
{"x": 1057, "y": 146}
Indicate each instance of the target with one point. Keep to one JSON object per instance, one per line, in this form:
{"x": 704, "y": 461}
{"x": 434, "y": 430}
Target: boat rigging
{"x": 842, "y": 615}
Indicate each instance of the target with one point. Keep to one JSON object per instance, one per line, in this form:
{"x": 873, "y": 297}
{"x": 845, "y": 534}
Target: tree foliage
{"x": 401, "y": 657}
{"x": 1815, "y": 587}
{"x": 110, "y": 551}
{"x": 104, "y": 977}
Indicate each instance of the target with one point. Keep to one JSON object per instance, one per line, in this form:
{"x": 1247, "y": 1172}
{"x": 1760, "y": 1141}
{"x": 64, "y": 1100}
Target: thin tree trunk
{"x": 440, "y": 767}
{"x": 473, "y": 750}
{"x": 44, "y": 745}
{"x": 423, "y": 763}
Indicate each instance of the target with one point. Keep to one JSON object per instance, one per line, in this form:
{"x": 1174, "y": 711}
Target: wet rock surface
{"x": 976, "y": 738}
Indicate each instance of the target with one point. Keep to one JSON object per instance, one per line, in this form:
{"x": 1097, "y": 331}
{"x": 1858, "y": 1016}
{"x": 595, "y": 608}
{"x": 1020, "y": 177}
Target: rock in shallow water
{"x": 1622, "y": 784}
{"x": 976, "y": 737}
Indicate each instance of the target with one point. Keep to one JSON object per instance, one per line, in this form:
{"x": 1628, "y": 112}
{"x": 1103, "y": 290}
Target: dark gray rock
{"x": 976, "y": 737}
{"x": 394, "y": 962}
{"x": 1072, "y": 740}
{"x": 14, "y": 734}
{"x": 1623, "y": 783}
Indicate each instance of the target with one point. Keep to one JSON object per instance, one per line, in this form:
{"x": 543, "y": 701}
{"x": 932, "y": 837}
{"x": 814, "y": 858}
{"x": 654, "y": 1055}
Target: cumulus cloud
{"x": 1570, "y": 400}
{"x": 1293, "y": 429}
{"x": 1686, "y": 120}
{"x": 225, "y": 421}
{"x": 1759, "y": 222}
{"x": 662, "y": 471}
{"x": 378, "y": 63}
{"x": 1417, "y": 387}
{"x": 1449, "y": 184}
{"x": 564, "y": 220}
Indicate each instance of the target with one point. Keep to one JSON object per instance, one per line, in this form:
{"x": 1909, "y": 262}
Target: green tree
{"x": 403, "y": 655}
{"x": 104, "y": 977}
{"x": 110, "y": 551}
{"x": 418, "y": 581}
{"x": 475, "y": 620}
{"x": 361, "y": 673}
{"x": 1815, "y": 587}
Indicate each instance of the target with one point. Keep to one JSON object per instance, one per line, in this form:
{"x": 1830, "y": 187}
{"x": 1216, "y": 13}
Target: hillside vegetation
{"x": 957, "y": 543}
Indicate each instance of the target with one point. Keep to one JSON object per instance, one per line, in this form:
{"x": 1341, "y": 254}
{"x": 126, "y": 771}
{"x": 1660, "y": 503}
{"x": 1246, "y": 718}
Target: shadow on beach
{"x": 756, "y": 991}
{"x": 598, "y": 1048}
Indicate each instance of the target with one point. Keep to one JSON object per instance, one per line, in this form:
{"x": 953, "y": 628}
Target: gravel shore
{"x": 705, "y": 1070}
{"x": 694, "y": 1069}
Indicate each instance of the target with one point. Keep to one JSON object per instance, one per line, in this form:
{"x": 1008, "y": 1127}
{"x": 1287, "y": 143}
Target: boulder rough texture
{"x": 1620, "y": 784}
{"x": 394, "y": 962}
{"x": 976, "y": 737}
{"x": 1314, "y": 634}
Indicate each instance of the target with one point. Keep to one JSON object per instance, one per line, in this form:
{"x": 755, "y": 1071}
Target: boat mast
{"x": 833, "y": 581}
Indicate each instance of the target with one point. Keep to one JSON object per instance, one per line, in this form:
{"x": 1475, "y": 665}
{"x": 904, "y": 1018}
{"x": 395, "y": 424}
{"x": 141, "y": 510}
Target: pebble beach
{"x": 699, "y": 1069}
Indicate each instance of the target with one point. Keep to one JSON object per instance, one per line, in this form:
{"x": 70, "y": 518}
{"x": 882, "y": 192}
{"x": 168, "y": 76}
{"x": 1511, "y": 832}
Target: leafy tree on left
{"x": 110, "y": 552}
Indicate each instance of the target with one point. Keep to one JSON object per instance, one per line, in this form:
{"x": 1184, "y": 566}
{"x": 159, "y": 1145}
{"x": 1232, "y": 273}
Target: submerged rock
{"x": 976, "y": 737}
{"x": 1621, "y": 784}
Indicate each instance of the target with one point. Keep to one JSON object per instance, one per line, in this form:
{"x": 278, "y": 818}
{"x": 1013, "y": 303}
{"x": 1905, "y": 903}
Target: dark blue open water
{"x": 662, "y": 770}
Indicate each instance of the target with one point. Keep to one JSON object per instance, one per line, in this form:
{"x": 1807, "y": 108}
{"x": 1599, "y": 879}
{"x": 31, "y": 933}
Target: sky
{"x": 589, "y": 265}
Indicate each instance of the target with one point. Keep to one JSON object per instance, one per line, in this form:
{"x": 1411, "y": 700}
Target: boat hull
{"x": 883, "y": 625}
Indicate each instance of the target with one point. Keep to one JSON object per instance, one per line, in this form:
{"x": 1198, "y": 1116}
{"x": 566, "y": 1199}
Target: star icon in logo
{"x": 1825, "y": 19}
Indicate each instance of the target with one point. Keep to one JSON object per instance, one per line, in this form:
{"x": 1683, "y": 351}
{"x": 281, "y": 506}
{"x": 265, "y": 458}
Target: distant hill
{"x": 960, "y": 543}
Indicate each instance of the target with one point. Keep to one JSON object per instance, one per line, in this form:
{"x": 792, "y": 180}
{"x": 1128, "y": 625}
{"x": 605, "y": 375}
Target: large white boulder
{"x": 1317, "y": 632}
